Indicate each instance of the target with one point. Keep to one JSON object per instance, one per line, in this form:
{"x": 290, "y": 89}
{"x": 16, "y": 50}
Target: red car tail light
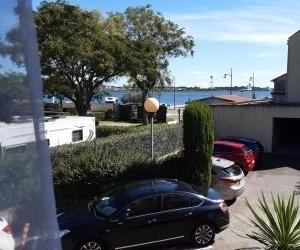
{"x": 223, "y": 207}
{"x": 7, "y": 230}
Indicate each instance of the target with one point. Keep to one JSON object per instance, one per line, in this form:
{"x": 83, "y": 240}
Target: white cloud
{"x": 270, "y": 25}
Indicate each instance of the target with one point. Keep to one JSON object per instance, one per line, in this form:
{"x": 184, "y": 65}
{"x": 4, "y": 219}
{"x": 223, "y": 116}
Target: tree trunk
{"x": 60, "y": 103}
{"x": 81, "y": 108}
{"x": 145, "y": 115}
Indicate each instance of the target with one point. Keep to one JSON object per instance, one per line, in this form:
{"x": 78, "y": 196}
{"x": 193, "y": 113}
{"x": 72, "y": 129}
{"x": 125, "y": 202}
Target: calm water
{"x": 183, "y": 96}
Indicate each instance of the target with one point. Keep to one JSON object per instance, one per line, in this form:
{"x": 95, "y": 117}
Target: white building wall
{"x": 254, "y": 121}
{"x": 293, "y": 85}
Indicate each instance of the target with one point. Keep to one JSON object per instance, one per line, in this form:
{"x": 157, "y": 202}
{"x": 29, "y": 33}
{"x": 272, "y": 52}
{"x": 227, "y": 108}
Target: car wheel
{"x": 203, "y": 235}
{"x": 91, "y": 245}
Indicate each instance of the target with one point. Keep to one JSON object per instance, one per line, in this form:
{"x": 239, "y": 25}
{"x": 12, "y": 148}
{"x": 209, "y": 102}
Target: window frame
{"x": 81, "y": 135}
{"x": 159, "y": 204}
{"x": 158, "y": 208}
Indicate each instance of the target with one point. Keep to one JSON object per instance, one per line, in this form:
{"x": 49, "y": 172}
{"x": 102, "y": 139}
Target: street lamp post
{"x": 151, "y": 105}
{"x": 174, "y": 93}
{"x": 253, "y": 91}
{"x": 211, "y": 85}
{"x": 230, "y": 79}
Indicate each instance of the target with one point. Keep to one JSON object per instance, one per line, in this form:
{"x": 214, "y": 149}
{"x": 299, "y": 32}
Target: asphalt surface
{"x": 280, "y": 175}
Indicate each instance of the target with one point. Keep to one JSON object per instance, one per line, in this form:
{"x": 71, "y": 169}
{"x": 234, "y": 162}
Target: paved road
{"x": 283, "y": 178}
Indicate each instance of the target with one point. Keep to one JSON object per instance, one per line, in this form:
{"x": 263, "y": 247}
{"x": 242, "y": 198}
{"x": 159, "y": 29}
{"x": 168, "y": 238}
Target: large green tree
{"x": 80, "y": 50}
{"x": 154, "y": 40}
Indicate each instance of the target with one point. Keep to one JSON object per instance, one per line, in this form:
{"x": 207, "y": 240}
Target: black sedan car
{"x": 146, "y": 213}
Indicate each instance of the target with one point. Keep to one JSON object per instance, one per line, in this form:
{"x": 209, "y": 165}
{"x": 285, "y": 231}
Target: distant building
{"x": 276, "y": 123}
{"x": 223, "y": 99}
{"x": 287, "y": 86}
{"x": 279, "y": 92}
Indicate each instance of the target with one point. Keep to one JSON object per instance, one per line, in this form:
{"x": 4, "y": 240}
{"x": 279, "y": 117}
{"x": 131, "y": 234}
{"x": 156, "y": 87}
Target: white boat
{"x": 248, "y": 88}
{"x": 111, "y": 99}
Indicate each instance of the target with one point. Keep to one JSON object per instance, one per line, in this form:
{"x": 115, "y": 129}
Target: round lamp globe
{"x": 151, "y": 105}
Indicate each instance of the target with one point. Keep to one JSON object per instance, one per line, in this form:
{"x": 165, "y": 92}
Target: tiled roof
{"x": 283, "y": 77}
{"x": 233, "y": 98}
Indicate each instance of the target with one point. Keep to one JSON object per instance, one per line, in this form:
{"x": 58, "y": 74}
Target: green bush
{"x": 198, "y": 142}
{"x": 99, "y": 115}
{"x": 82, "y": 171}
{"x": 105, "y": 131}
{"x": 72, "y": 111}
{"x": 132, "y": 98}
{"x": 19, "y": 178}
{"x": 56, "y": 113}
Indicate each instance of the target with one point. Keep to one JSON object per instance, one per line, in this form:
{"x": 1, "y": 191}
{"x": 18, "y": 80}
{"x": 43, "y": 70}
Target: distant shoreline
{"x": 179, "y": 89}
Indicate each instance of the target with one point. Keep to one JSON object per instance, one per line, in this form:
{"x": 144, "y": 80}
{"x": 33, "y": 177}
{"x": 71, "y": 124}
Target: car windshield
{"x": 232, "y": 170}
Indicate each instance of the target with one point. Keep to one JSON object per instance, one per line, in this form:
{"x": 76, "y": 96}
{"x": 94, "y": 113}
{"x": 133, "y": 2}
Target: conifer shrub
{"x": 198, "y": 142}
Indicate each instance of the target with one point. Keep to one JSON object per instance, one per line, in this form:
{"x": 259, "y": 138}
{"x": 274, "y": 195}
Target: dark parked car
{"x": 146, "y": 213}
{"x": 252, "y": 144}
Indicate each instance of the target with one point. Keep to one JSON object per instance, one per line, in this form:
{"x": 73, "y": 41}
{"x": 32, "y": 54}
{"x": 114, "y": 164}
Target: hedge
{"x": 99, "y": 115}
{"x": 105, "y": 131}
{"x": 82, "y": 171}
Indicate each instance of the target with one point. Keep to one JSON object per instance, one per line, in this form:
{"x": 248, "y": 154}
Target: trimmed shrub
{"x": 105, "y": 131}
{"x": 82, "y": 171}
{"x": 198, "y": 142}
{"x": 99, "y": 115}
{"x": 56, "y": 113}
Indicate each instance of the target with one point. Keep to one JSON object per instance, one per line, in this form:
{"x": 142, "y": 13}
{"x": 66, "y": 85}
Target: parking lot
{"x": 279, "y": 175}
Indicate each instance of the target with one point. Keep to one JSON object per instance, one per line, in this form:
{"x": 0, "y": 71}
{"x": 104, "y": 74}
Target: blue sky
{"x": 247, "y": 35}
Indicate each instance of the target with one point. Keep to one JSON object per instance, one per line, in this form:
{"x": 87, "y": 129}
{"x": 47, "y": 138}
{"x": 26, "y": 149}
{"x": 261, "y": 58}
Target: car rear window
{"x": 245, "y": 149}
{"x": 232, "y": 170}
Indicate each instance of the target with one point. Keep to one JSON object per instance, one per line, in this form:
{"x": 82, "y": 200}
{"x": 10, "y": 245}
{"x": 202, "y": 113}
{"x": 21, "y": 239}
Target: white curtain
{"x": 26, "y": 190}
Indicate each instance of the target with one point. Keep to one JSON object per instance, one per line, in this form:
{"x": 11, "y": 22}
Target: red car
{"x": 236, "y": 152}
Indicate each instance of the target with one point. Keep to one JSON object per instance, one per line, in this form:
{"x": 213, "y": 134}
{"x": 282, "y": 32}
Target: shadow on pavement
{"x": 297, "y": 188}
{"x": 279, "y": 160}
{"x": 230, "y": 202}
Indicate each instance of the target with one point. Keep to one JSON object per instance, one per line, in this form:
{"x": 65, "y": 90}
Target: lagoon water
{"x": 183, "y": 96}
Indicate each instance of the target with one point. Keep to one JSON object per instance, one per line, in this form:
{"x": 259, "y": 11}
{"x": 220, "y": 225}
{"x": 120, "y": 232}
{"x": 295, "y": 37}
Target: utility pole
{"x": 230, "y": 80}
{"x": 174, "y": 93}
{"x": 253, "y": 91}
{"x": 211, "y": 85}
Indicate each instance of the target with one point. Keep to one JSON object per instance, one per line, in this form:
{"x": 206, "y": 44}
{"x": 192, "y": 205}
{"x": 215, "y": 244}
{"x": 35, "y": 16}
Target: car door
{"x": 176, "y": 217}
{"x": 137, "y": 224}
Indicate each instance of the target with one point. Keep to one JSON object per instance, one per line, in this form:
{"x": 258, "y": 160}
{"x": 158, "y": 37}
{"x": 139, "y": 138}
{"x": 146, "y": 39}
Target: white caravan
{"x": 18, "y": 135}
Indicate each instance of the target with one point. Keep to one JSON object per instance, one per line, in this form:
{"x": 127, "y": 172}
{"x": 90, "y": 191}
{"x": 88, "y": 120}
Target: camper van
{"x": 18, "y": 135}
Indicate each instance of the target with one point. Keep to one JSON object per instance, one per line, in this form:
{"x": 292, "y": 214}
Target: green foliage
{"x": 105, "y": 131}
{"x": 198, "y": 142}
{"x": 18, "y": 185}
{"x": 80, "y": 51}
{"x": 132, "y": 98}
{"x": 276, "y": 226}
{"x": 82, "y": 171}
{"x": 153, "y": 40}
{"x": 56, "y": 113}
{"x": 99, "y": 115}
